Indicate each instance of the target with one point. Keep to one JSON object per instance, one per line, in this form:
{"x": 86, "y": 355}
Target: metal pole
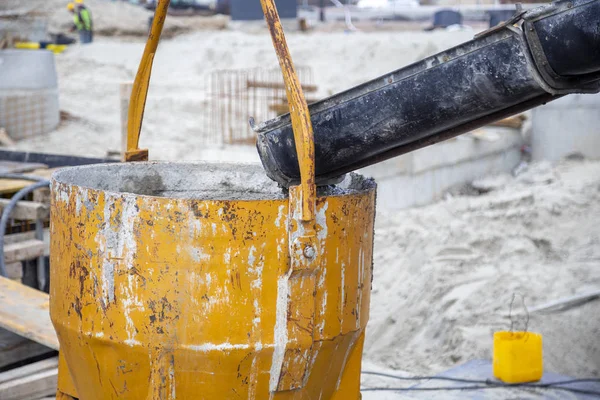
{"x": 322, "y": 11}
{"x": 41, "y": 264}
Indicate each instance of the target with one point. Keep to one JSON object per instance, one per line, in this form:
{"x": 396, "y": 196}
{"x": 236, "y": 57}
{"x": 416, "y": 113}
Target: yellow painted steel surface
{"x": 164, "y": 298}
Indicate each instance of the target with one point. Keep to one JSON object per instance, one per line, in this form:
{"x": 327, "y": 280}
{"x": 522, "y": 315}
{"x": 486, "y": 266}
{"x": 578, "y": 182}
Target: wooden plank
{"x": 14, "y": 271}
{"x": 278, "y": 85}
{"x": 515, "y": 122}
{"x": 25, "y": 250}
{"x": 25, "y": 311}
{"x": 27, "y": 210}
{"x": 29, "y": 369}
{"x": 283, "y": 107}
{"x": 5, "y": 140}
{"x": 15, "y": 348}
{"x": 34, "y": 385}
{"x": 20, "y": 237}
{"x": 8, "y": 186}
{"x": 16, "y": 167}
{"x": 43, "y": 173}
{"x": 42, "y": 196}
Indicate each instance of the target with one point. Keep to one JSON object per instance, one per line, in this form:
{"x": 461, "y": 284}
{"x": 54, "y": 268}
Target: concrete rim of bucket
{"x": 193, "y": 181}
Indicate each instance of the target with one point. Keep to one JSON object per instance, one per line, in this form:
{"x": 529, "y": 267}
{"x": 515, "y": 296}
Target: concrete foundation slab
{"x": 565, "y": 126}
{"x": 423, "y": 176}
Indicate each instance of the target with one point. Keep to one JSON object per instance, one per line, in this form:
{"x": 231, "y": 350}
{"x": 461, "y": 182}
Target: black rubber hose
{"x": 40, "y": 183}
{"x": 501, "y": 72}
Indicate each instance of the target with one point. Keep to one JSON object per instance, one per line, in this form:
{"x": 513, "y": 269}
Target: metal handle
{"x": 139, "y": 92}
{"x": 301, "y": 123}
{"x": 291, "y": 363}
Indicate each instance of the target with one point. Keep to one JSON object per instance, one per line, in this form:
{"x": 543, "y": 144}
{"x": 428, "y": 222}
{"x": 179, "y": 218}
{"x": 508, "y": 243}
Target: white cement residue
{"x": 206, "y": 347}
{"x": 280, "y": 334}
{"x": 281, "y": 215}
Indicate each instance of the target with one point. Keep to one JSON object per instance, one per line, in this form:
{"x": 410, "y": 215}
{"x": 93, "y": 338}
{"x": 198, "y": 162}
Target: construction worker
{"x": 82, "y": 21}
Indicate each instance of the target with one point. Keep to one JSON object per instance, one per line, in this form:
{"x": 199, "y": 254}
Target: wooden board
{"x": 27, "y": 210}
{"x": 28, "y": 369}
{"x": 20, "y": 237}
{"x": 515, "y": 122}
{"x": 15, "y": 348}
{"x": 14, "y": 271}
{"x": 32, "y": 381}
{"x": 8, "y": 186}
{"x": 42, "y": 196}
{"x": 25, "y": 250}
{"x": 16, "y": 167}
{"x": 25, "y": 311}
{"x": 278, "y": 85}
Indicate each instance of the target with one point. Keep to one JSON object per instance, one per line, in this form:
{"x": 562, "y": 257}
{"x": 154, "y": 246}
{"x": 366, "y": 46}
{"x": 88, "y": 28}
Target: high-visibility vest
{"x": 83, "y": 19}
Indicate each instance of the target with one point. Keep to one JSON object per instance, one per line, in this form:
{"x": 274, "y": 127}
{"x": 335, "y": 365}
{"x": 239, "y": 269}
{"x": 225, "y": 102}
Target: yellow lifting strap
{"x": 139, "y": 91}
{"x": 301, "y": 123}
{"x": 305, "y": 254}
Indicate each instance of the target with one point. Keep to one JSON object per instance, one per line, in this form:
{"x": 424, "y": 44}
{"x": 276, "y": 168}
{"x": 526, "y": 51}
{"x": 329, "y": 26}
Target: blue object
{"x": 85, "y": 37}
{"x": 251, "y": 10}
{"x": 445, "y": 18}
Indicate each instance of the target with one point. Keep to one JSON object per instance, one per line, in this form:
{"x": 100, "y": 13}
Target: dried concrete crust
{"x": 194, "y": 181}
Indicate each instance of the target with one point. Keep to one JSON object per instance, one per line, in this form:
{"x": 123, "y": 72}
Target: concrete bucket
{"x": 174, "y": 280}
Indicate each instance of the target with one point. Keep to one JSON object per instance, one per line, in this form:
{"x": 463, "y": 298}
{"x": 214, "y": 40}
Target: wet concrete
{"x": 196, "y": 181}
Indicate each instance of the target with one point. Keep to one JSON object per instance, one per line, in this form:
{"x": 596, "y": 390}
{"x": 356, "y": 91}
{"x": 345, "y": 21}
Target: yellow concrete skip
{"x": 24, "y": 311}
{"x": 164, "y": 298}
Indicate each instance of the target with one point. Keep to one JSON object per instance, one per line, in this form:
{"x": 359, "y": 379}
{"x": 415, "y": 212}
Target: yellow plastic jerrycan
{"x": 518, "y": 357}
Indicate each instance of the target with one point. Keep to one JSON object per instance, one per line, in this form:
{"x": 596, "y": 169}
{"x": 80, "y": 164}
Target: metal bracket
{"x": 301, "y": 302}
{"x": 294, "y": 361}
